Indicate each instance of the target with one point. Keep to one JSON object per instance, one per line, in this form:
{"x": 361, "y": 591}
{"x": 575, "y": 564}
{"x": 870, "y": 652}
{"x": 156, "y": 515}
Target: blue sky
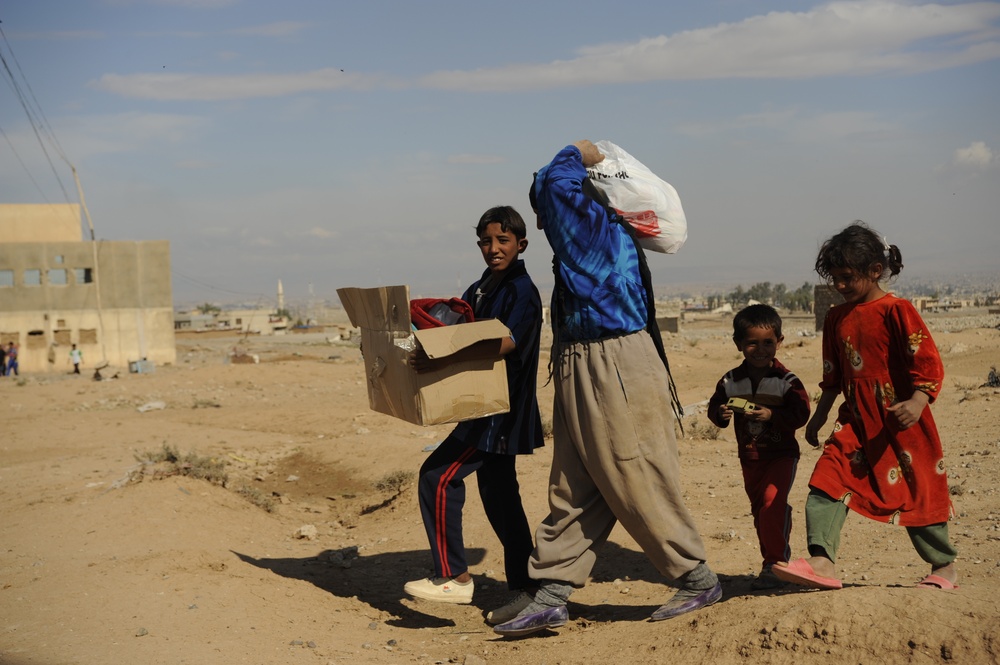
{"x": 332, "y": 144}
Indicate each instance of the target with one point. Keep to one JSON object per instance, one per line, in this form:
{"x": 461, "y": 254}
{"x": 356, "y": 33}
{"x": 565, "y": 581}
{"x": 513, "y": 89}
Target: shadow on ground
{"x": 371, "y": 580}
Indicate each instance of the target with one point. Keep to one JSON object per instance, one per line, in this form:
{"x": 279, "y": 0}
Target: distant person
{"x": 765, "y": 435}
{"x": 3, "y": 361}
{"x": 12, "y": 360}
{"x": 488, "y": 446}
{"x": 614, "y": 455}
{"x": 884, "y": 458}
{"x": 992, "y": 379}
{"x": 76, "y": 358}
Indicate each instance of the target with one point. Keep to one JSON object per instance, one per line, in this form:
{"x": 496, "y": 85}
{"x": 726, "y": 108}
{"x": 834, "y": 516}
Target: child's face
{"x": 500, "y": 248}
{"x": 855, "y": 286}
{"x": 759, "y": 346}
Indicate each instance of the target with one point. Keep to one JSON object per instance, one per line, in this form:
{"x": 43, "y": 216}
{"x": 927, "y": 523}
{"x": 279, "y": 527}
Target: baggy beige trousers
{"x": 614, "y": 459}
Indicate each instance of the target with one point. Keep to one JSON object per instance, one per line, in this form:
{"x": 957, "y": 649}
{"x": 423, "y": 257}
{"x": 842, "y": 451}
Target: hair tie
{"x": 885, "y": 243}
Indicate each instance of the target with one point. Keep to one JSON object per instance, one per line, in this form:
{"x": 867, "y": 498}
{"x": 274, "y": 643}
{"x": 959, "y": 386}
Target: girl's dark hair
{"x": 508, "y": 219}
{"x": 858, "y": 248}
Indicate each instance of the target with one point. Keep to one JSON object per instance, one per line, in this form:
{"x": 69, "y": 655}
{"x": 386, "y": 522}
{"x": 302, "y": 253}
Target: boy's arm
{"x": 794, "y": 410}
{"x": 718, "y": 412}
{"x": 487, "y": 349}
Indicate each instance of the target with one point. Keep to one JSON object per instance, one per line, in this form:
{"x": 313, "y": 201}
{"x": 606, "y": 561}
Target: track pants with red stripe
{"x": 767, "y": 483}
{"x": 442, "y": 497}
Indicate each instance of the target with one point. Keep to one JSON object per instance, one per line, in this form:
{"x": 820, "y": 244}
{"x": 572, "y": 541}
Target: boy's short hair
{"x": 756, "y": 316}
{"x": 508, "y": 219}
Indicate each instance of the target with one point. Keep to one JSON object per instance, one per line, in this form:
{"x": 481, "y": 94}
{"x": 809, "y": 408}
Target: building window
{"x": 88, "y": 336}
{"x": 32, "y": 277}
{"x": 36, "y": 339}
{"x": 6, "y": 278}
{"x": 59, "y": 259}
{"x": 61, "y": 323}
{"x": 57, "y": 276}
{"x": 84, "y": 275}
{"x": 62, "y": 336}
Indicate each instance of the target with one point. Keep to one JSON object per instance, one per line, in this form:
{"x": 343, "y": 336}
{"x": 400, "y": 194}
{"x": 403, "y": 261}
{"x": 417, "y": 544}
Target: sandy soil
{"x": 105, "y": 561}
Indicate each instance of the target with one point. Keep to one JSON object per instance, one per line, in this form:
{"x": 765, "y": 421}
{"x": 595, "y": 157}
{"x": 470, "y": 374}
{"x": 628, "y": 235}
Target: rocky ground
{"x": 221, "y": 512}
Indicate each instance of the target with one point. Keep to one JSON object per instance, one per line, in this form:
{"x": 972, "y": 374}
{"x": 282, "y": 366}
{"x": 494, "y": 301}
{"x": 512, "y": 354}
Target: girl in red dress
{"x": 883, "y": 459}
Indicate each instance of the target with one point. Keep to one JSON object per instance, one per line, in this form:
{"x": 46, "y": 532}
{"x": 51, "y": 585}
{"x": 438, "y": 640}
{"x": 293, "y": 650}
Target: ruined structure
{"x": 112, "y": 299}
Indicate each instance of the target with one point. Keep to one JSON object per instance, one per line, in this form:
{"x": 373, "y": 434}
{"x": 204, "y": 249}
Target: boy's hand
{"x": 420, "y": 362}
{"x": 725, "y": 413}
{"x": 908, "y": 411}
{"x": 589, "y": 152}
{"x": 760, "y": 414}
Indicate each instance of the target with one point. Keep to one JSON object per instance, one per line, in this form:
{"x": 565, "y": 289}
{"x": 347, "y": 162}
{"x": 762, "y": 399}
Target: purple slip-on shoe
{"x": 551, "y": 617}
{"x": 672, "y": 609}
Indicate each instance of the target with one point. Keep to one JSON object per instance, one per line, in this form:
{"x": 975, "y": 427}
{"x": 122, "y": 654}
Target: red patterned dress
{"x": 877, "y": 354}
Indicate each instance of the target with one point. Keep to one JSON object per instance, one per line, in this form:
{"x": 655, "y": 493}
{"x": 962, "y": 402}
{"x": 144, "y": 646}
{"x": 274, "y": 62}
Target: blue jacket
{"x": 596, "y": 260}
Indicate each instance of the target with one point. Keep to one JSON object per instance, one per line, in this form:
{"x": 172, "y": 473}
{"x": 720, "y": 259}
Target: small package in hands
{"x": 648, "y": 203}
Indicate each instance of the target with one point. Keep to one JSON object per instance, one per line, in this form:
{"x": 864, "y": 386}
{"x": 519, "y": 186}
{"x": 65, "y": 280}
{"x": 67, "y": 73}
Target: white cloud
{"x": 840, "y": 38}
{"x": 278, "y": 29}
{"x": 194, "y": 165}
{"x": 976, "y": 155}
{"x": 319, "y": 232}
{"x": 191, "y": 4}
{"x": 806, "y": 129}
{"x": 834, "y": 39}
{"x": 61, "y": 35}
{"x": 84, "y": 136}
{"x": 178, "y": 87}
{"x": 475, "y": 159}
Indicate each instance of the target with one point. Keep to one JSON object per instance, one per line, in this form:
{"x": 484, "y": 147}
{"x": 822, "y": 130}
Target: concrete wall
{"x": 40, "y": 223}
{"x": 824, "y": 297}
{"x": 112, "y": 299}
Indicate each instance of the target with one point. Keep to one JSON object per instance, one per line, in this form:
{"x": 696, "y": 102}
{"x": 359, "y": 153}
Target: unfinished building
{"x": 112, "y": 299}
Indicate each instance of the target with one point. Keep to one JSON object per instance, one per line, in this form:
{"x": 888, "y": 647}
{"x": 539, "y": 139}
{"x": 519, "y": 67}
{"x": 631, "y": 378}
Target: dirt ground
{"x": 106, "y": 559}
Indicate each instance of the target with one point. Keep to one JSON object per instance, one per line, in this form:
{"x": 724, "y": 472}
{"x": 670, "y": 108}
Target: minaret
{"x": 281, "y": 297}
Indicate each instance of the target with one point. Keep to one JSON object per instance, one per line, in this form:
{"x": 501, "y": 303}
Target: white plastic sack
{"x": 649, "y": 204}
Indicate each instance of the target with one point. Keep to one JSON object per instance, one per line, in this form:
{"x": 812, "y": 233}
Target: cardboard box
{"x": 461, "y": 391}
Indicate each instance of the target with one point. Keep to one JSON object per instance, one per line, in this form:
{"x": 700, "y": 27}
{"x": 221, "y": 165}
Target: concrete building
{"x": 112, "y": 299}
{"x": 248, "y": 321}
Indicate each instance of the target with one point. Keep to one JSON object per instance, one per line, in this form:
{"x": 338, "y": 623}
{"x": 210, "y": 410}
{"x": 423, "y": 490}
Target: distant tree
{"x": 801, "y": 298}
{"x": 761, "y": 292}
{"x": 778, "y": 294}
{"x": 209, "y": 308}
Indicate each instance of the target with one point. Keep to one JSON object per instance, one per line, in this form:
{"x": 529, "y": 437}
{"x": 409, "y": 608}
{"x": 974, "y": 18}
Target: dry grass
{"x": 257, "y": 498}
{"x": 168, "y": 461}
{"x": 394, "y": 482}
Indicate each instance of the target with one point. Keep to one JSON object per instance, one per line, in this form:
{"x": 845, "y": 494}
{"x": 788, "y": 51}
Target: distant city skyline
{"x": 335, "y": 144}
{"x": 959, "y": 285}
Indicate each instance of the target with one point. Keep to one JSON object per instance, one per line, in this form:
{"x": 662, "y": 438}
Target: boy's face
{"x": 759, "y": 346}
{"x": 500, "y": 248}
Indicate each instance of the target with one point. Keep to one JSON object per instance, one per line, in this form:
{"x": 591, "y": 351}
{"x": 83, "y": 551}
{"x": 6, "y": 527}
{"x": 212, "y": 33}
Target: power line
{"x": 216, "y": 288}
{"x": 24, "y": 166}
{"x": 32, "y": 116}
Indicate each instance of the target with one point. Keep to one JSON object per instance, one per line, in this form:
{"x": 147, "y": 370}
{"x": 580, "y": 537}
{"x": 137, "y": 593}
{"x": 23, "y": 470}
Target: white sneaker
{"x": 441, "y": 590}
{"x": 505, "y": 613}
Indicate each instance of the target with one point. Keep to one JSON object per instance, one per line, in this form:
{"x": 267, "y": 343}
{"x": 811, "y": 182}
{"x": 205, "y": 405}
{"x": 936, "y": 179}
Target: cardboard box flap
{"x": 444, "y": 341}
{"x": 466, "y": 388}
{"x": 381, "y": 308}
